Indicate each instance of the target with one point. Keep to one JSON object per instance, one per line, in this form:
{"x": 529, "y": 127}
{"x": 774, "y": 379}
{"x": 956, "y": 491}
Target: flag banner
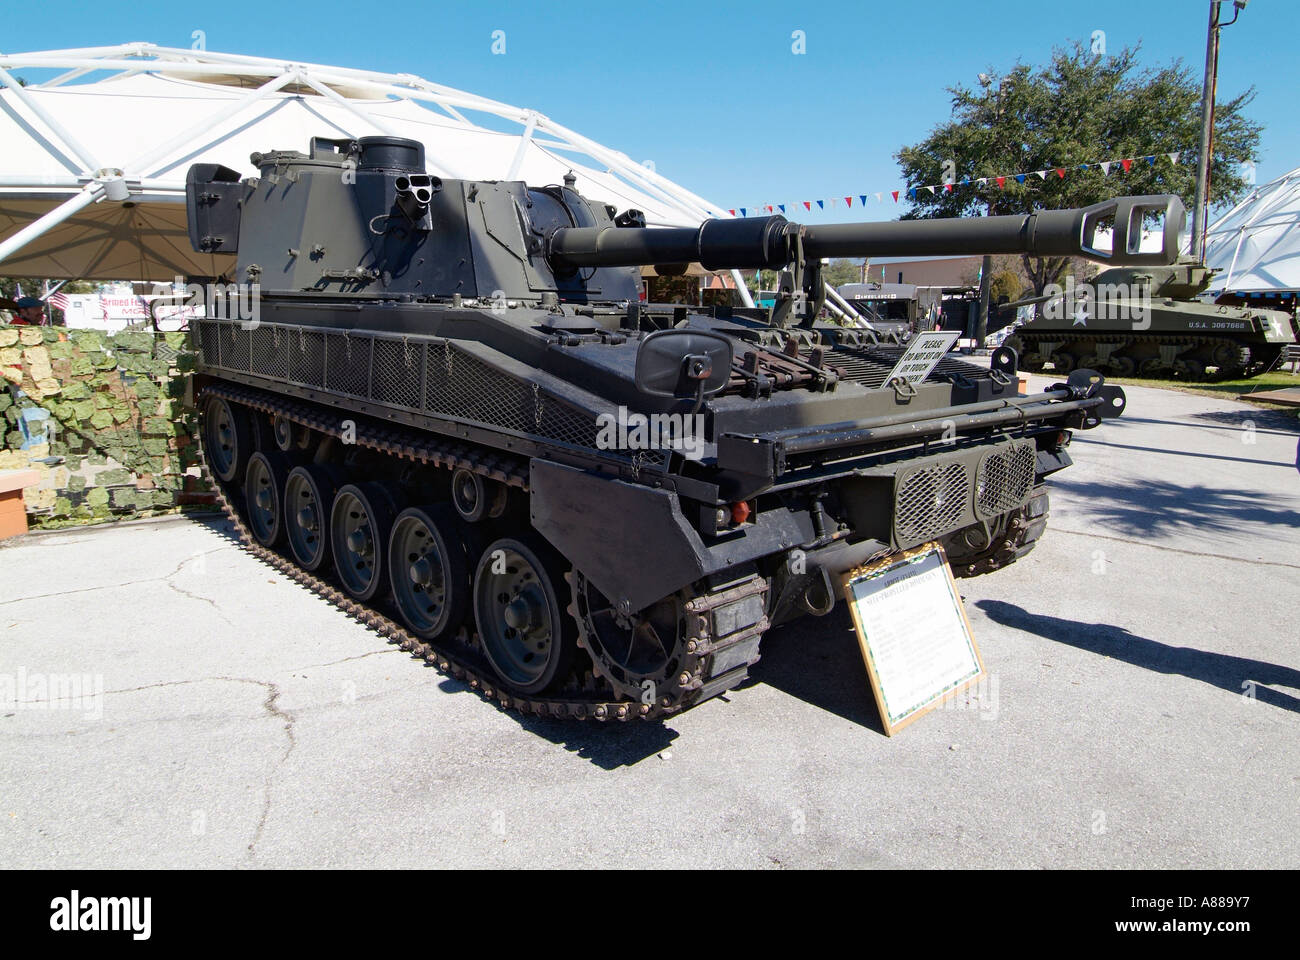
{"x": 965, "y": 181}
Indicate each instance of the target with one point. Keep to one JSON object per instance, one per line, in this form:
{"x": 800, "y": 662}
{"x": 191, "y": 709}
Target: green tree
{"x": 839, "y": 272}
{"x": 1079, "y": 108}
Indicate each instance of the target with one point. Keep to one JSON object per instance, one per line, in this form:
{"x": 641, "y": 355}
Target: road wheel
{"x": 360, "y": 521}
{"x": 428, "y": 570}
{"x": 519, "y": 609}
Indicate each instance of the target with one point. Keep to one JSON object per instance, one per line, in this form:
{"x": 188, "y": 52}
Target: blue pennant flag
{"x": 1084, "y": 166}
{"x": 863, "y": 198}
{"x": 821, "y": 204}
{"x": 965, "y": 180}
{"x": 1151, "y": 161}
{"x": 1020, "y": 178}
{"x": 743, "y": 213}
{"x": 781, "y": 207}
{"x": 911, "y": 194}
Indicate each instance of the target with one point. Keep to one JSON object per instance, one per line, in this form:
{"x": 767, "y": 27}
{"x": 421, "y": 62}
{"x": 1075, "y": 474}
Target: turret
{"x": 364, "y": 216}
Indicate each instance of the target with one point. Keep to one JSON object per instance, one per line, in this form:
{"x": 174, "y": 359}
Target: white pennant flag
{"x": 880, "y": 198}
{"x": 982, "y": 180}
{"x": 1173, "y": 156}
{"x": 1042, "y": 174}
{"x": 1105, "y": 167}
{"x": 835, "y": 201}
{"x": 931, "y": 189}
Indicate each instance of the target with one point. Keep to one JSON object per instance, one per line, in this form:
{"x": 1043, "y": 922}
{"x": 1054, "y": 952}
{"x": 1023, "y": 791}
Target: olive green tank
{"x": 1145, "y": 321}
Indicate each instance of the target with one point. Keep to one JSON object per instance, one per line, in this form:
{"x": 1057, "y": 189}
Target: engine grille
{"x": 1005, "y": 479}
{"x": 423, "y": 375}
{"x": 870, "y": 366}
{"x": 930, "y": 501}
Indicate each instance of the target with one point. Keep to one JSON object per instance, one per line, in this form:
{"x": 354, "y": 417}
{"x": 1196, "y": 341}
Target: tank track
{"x": 1023, "y": 530}
{"x": 585, "y": 695}
{"x": 1259, "y": 358}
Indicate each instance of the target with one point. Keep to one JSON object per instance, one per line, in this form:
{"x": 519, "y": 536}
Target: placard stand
{"x": 915, "y": 638}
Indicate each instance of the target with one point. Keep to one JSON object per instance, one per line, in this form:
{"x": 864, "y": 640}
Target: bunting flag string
{"x": 980, "y": 183}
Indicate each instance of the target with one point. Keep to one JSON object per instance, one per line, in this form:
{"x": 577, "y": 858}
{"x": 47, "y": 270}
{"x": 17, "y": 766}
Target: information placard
{"x": 923, "y": 353}
{"x": 915, "y": 638}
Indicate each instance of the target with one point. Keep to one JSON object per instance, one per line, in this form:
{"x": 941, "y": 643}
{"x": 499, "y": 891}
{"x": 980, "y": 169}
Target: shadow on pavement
{"x": 817, "y": 660}
{"x": 1280, "y": 423}
{"x": 1233, "y": 674}
{"x": 1159, "y": 506}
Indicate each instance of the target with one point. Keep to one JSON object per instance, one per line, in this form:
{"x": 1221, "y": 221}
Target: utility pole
{"x": 1203, "y": 166}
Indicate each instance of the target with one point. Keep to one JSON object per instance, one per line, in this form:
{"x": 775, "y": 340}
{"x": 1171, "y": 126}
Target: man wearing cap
{"x": 30, "y": 312}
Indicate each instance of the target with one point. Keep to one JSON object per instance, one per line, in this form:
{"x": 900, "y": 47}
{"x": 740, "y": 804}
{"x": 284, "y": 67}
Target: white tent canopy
{"x": 1255, "y": 246}
{"x": 92, "y": 175}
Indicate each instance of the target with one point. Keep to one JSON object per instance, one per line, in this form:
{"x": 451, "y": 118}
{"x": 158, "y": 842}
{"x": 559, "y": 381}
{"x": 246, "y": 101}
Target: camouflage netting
{"x": 116, "y": 441}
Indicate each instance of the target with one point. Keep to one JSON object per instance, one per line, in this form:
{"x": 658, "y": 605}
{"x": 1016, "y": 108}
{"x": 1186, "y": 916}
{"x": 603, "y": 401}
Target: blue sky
{"x": 712, "y": 92}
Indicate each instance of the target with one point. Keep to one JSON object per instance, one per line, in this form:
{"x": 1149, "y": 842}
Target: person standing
{"x": 30, "y": 312}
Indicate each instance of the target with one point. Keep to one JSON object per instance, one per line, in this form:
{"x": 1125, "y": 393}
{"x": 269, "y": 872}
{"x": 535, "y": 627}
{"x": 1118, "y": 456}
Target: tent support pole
{"x": 69, "y": 140}
{"x": 52, "y": 219}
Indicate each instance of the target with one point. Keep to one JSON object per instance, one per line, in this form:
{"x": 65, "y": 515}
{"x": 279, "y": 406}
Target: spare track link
{"x": 459, "y": 662}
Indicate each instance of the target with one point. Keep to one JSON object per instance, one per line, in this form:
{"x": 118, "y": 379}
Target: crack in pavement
{"x": 272, "y": 709}
{"x": 116, "y": 586}
{"x": 269, "y": 705}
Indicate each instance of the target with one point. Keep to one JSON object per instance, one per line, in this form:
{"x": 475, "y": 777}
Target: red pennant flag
{"x": 1128, "y": 165}
{"x": 895, "y": 193}
{"x": 1060, "y": 172}
{"x": 947, "y": 188}
{"x": 1001, "y": 181}
{"x": 807, "y": 204}
{"x": 848, "y": 201}
{"x": 732, "y": 212}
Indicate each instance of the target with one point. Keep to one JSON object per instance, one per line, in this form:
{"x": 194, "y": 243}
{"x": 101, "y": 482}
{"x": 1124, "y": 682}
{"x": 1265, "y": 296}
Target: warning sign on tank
{"x": 922, "y": 354}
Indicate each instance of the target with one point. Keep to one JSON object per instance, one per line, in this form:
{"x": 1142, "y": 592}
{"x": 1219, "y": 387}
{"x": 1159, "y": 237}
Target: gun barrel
{"x": 769, "y": 241}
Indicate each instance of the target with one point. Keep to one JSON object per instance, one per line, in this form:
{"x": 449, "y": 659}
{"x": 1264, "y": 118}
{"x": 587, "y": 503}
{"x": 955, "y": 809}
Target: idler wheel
{"x": 227, "y": 438}
{"x": 308, "y": 496}
{"x": 264, "y": 483}
{"x": 428, "y": 570}
{"x": 521, "y": 620}
{"x": 360, "y": 521}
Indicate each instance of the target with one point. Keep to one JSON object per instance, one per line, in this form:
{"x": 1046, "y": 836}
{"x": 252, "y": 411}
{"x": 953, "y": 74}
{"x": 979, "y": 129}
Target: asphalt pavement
{"x": 1142, "y": 707}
